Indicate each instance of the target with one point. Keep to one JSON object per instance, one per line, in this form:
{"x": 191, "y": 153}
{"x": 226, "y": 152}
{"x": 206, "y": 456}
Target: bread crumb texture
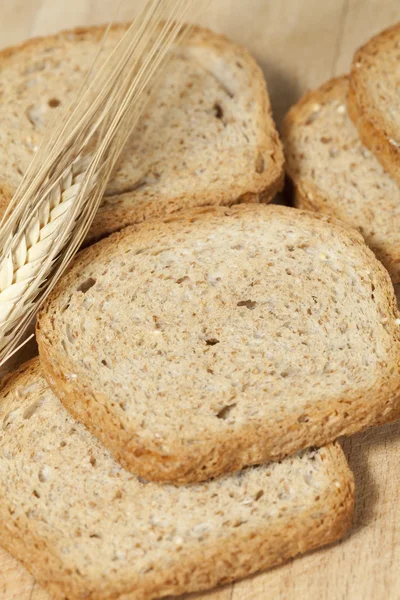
{"x": 223, "y": 337}
{"x": 89, "y": 530}
{"x": 207, "y": 136}
{"x": 335, "y": 174}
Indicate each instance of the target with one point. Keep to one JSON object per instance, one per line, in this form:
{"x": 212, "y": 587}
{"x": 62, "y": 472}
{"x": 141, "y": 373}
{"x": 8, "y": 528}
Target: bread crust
{"x": 308, "y": 196}
{"x": 249, "y": 185}
{"x": 255, "y": 441}
{"x": 214, "y": 562}
{"x": 370, "y": 124}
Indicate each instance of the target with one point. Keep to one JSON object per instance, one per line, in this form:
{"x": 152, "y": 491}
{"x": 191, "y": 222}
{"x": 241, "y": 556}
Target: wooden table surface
{"x": 299, "y": 43}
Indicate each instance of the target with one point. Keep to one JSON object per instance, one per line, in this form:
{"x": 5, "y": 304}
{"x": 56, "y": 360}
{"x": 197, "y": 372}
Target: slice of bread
{"x": 86, "y": 528}
{"x": 207, "y": 138}
{"x": 335, "y": 174}
{"x": 374, "y": 97}
{"x": 224, "y": 337}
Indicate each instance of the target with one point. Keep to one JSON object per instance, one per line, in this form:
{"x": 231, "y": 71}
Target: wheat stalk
{"x": 53, "y": 208}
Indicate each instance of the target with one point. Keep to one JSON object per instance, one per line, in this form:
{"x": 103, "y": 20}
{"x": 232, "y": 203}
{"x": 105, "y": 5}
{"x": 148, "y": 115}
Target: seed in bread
{"x": 220, "y": 338}
{"x": 333, "y": 173}
{"x": 86, "y": 528}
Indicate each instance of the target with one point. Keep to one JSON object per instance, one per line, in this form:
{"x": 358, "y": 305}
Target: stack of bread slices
{"x": 342, "y": 145}
{"x": 197, "y": 367}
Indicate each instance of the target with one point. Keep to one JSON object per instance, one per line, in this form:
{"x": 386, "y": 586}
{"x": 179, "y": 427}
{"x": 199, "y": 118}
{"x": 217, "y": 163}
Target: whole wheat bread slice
{"x": 207, "y": 137}
{"x": 88, "y": 529}
{"x": 374, "y": 97}
{"x": 219, "y": 338}
{"x": 335, "y": 174}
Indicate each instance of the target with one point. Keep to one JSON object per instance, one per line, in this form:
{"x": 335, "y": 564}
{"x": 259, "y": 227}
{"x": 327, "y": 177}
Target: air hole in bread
{"x": 172, "y": 219}
{"x": 303, "y": 419}
{"x": 157, "y": 323}
{"x": 36, "y": 494}
{"x": 141, "y": 250}
{"x": 142, "y": 480}
{"x": 218, "y": 111}
{"x": 250, "y": 304}
{"x": 224, "y": 413}
{"x": 182, "y": 279}
{"x": 260, "y": 164}
{"x": 259, "y": 495}
{"x": 43, "y": 474}
{"x": 70, "y": 337}
{"x": 238, "y": 523}
{"x": 310, "y": 120}
{"x": 30, "y": 411}
{"x": 86, "y": 285}
{"x": 54, "y": 102}
{"x": 9, "y": 419}
{"x": 92, "y": 461}
{"x": 212, "y": 342}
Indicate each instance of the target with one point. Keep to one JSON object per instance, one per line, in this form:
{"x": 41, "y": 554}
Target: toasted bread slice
{"x": 220, "y": 338}
{"x": 333, "y": 173}
{"x": 374, "y": 97}
{"x": 86, "y": 528}
{"x": 207, "y": 136}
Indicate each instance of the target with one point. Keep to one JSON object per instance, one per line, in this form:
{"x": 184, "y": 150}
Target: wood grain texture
{"x": 300, "y": 43}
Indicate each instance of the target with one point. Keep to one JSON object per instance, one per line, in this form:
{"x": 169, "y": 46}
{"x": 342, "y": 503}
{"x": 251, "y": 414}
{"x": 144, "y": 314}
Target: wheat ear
{"x": 24, "y": 261}
{"x": 57, "y": 200}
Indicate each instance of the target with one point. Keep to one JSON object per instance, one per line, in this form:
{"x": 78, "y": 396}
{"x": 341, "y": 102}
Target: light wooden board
{"x": 299, "y": 43}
